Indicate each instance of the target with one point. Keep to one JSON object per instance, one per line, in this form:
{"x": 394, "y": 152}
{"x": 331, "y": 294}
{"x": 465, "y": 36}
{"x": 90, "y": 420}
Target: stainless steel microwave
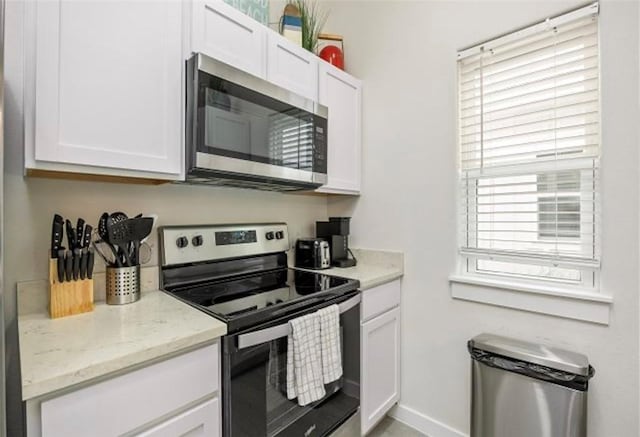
{"x": 245, "y": 131}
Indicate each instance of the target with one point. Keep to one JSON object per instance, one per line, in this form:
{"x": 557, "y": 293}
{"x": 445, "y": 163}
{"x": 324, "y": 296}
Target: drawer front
{"x": 377, "y": 300}
{"x": 200, "y": 421}
{"x": 126, "y": 402}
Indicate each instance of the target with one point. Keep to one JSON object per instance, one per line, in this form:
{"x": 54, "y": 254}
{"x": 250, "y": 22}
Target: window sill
{"x": 578, "y": 305}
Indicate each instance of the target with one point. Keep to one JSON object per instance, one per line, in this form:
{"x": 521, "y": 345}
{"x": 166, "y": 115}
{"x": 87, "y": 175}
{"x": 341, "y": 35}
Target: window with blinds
{"x": 529, "y": 136}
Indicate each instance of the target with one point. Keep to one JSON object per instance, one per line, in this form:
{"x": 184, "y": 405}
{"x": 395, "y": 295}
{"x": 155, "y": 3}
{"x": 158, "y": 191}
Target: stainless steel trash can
{"x": 522, "y": 389}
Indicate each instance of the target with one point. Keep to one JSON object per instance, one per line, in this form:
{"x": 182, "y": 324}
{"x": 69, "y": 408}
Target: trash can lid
{"x": 551, "y": 357}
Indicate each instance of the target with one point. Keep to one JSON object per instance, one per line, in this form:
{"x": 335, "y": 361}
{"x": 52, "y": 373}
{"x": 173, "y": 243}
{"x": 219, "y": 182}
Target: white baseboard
{"x": 422, "y": 423}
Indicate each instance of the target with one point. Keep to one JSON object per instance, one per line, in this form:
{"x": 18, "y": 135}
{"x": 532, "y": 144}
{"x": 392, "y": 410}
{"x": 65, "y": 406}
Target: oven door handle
{"x": 269, "y": 334}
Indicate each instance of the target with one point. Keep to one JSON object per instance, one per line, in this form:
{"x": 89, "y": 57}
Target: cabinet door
{"x": 292, "y": 67}
{"x": 128, "y": 402}
{"x": 226, "y": 34}
{"x": 200, "y": 421}
{"x": 380, "y": 363}
{"x": 342, "y": 94}
{"x": 108, "y": 85}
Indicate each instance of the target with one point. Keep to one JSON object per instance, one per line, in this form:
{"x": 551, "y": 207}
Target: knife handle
{"x": 68, "y": 265}
{"x": 79, "y": 232}
{"x": 56, "y": 235}
{"x": 71, "y": 235}
{"x": 60, "y": 265}
{"x": 76, "y": 264}
{"x": 86, "y": 239}
{"x": 90, "y": 261}
{"x": 83, "y": 263}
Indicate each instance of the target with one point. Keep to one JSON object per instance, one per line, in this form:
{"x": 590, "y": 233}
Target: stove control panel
{"x": 189, "y": 244}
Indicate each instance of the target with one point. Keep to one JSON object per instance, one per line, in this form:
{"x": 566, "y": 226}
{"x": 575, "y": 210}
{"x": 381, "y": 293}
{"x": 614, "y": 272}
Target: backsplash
{"x": 33, "y": 202}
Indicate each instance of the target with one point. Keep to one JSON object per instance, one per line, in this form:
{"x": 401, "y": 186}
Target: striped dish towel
{"x": 330, "y": 343}
{"x": 304, "y": 361}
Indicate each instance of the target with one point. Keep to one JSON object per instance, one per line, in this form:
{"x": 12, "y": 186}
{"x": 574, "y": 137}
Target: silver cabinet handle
{"x": 269, "y": 334}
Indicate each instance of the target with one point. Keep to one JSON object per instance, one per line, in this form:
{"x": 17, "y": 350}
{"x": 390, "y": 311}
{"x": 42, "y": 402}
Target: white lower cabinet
{"x": 200, "y": 421}
{"x": 178, "y": 396}
{"x": 380, "y": 358}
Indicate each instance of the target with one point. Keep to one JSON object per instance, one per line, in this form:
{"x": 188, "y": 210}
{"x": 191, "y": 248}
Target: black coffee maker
{"x": 336, "y": 232}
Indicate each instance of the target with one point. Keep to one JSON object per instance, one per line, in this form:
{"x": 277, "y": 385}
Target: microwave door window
{"x": 226, "y": 127}
{"x": 290, "y": 139}
{"x": 240, "y": 123}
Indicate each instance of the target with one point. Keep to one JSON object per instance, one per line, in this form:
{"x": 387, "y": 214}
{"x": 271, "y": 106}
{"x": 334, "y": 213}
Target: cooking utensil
{"x": 107, "y": 260}
{"x": 121, "y": 233}
{"x": 144, "y": 254}
{"x": 90, "y": 262}
{"x": 60, "y": 264}
{"x": 84, "y": 255}
{"x": 71, "y": 235}
{"x": 56, "y": 235}
{"x": 68, "y": 265}
{"x": 79, "y": 232}
{"x": 113, "y": 219}
{"x": 76, "y": 263}
{"x": 104, "y": 235}
{"x": 142, "y": 227}
{"x": 86, "y": 239}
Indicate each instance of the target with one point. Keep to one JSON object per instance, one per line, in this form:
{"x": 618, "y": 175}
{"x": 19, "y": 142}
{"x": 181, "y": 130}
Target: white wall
{"x": 30, "y": 204}
{"x": 405, "y": 53}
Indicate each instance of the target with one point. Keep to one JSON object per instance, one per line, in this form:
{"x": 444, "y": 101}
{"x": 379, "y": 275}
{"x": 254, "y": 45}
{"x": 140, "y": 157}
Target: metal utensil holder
{"x": 123, "y": 285}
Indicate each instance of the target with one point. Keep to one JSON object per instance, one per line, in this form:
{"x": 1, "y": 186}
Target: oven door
{"x": 240, "y": 124}
{"x": 254, "y": 390}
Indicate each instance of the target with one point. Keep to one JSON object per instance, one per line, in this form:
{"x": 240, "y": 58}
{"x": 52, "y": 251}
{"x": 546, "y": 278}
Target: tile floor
{"x": 392, "y": 428}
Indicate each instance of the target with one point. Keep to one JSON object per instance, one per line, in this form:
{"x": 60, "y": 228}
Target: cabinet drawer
{"x": 377, "y": 300}
{"x": 126, "y": 402}
{"x": 200, "y": 421}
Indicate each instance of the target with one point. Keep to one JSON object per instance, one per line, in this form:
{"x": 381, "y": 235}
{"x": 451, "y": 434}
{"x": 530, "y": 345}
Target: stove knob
{"x": 269, "y": 235}
{"x": 182, "y": 242}
{"x": 280, "y": 235}
{"x": 197, "y": 240}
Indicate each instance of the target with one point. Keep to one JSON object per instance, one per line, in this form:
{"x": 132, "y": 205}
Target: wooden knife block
{"x": 68, "y": 298}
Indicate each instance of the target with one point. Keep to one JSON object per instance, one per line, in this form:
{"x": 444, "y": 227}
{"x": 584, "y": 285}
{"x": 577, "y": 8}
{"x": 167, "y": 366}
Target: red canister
{"x": 333, "y": 55}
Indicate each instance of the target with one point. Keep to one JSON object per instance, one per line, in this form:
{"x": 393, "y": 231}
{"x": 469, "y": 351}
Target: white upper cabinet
{"x": 108, "y": 95}
{"x": 342, "y": 94}
{"x": 226, "y": 34}
{"x": 292, "y": 67}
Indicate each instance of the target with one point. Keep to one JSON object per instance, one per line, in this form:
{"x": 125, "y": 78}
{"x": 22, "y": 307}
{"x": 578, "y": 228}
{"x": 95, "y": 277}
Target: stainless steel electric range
{"x": 239, "y": 274}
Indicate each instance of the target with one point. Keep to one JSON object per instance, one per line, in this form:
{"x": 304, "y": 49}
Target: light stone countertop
{"x": 374, "y": 267}
{"x": 59, "y": 353}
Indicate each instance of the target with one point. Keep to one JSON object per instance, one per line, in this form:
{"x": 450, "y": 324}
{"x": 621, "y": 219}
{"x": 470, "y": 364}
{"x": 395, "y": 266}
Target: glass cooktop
{"x": 252, "y": 299}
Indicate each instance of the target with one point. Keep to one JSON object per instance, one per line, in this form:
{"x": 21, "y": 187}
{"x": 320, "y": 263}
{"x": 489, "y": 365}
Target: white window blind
{"x": 529, "y": 136}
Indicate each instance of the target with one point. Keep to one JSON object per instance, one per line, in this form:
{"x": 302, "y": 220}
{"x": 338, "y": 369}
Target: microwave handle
{"x": 269, "y": 334}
